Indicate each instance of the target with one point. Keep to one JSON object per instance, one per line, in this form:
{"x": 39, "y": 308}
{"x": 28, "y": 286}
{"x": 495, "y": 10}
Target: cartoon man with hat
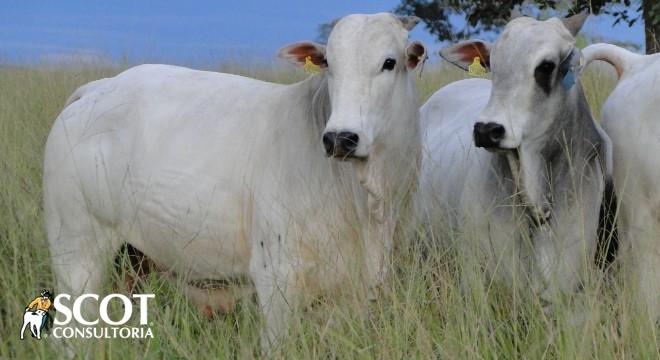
{"x": 44, "y": 303}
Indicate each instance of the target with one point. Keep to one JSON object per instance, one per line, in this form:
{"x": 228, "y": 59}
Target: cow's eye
{"x": 543, "y": 75}
{"x": 389, "y": 64}
{"x": 546, "y": 67}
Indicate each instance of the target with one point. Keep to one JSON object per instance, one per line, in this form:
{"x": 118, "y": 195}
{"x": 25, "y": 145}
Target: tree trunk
{"x": 651, "y": 15}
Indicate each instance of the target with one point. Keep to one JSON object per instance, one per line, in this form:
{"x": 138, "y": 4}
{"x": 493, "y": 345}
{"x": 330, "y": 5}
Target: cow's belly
{"x": 186, "y": 212}
{"x": 194, "y": 224}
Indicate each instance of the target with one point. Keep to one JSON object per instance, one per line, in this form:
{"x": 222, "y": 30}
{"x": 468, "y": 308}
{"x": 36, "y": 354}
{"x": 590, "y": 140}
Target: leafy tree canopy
{"x": 481, "y": 16}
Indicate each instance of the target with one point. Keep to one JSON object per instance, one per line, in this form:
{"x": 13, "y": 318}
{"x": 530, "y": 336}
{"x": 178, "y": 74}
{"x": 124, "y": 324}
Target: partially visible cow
{"x": 212, "y": 176}
{"x": 631, "y": 117}
{"x": 517, "y": 163}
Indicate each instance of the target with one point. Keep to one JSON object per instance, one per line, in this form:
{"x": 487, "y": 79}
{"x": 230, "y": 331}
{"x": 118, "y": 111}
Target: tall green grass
{"x": 427, "y": 310}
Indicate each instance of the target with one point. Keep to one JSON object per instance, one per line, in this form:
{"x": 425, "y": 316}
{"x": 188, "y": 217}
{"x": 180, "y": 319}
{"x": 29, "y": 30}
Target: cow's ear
{"x": 299, "y": 53}
{"x": 464, "y": 54}
{"x": 409, "y": 22}
{"x": 415, "y": 54}
{"x": 574, "y": 23}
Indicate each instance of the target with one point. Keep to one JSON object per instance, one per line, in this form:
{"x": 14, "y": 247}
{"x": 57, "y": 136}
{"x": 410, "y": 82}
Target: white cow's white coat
{"x": 631, "y": 119}
{"x": 32, "y": 322}
{"x": 556, "y": 174}
{"x": 218, "y": 176}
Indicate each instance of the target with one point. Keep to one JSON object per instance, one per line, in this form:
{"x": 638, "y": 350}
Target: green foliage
{"x": 484, "y": 16}
{"x": 480, "y": 15}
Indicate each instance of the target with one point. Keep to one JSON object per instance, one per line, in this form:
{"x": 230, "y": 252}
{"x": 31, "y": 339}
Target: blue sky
{"x": 188, "y": 31}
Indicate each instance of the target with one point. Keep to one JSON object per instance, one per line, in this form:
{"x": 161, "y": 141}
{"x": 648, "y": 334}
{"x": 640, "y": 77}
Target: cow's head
{"x": 534, "y": 66}
{"x": 366, "y": 62}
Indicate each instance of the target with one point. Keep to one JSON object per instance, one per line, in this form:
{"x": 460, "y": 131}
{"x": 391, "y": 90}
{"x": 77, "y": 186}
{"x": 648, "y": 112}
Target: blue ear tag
{"x": 569, "y": 79}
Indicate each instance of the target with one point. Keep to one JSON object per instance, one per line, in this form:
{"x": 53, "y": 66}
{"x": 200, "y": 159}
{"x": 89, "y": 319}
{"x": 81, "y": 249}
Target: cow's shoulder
{"x": 459, "y": 99}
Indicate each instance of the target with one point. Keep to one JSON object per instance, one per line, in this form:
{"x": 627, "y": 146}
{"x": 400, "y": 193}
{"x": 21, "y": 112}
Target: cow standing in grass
{"x": 530, "y": 191}
{"x": 631, "y": 119}
{"x": 214, "y": 176}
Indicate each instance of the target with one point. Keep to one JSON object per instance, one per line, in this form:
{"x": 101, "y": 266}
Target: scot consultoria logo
{"x": 71, "y": 323}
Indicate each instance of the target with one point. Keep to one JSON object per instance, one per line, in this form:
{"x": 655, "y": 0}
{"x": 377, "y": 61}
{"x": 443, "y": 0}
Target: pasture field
{"x": 431, "y": 307}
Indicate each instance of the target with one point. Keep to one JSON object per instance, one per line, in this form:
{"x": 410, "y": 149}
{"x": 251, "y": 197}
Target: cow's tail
{"x": 81, "y": 91}
{"x": 622, "y": 59}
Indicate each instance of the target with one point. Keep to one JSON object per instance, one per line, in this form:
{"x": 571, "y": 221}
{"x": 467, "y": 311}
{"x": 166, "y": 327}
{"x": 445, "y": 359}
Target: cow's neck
{"x": 571, "y": 140}
{"x": 385, "y": 179}
{"x": 314, "y": 105}
{"x": 389, "y": 177}
{"x": 394, "y": 160}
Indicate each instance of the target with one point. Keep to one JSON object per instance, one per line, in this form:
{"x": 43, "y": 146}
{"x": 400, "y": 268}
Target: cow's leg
{"x": 81, "y": 249}
{"x": 272, "y": 273}
{"x": 37, "y": 329}
{"x": 489, "y": 243}
{"x": 81, "y": 253}
{"x": 647, "y": 257}
{"x": 639, "y": 220}
{"x": 78, "y": 213}
{"x": 377, "y": 249}
{"x": 278, "y": 303}
{"x": 565, "y": 247}
{"x": 80, "y": 263}
{"x": 642, "y": 261}
{"x": 561, "y": 260}
{"x": 25, "y": 325}
{"x": 500, "y": 249}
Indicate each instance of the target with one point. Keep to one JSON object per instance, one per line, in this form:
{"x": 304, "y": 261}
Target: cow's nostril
{"x": 329, "y": 139}
{"x": 349, "y": 140}
{"x": 340, "y": 145}
{"x": 496, "y": 132}
{"x": 488, "y": 135}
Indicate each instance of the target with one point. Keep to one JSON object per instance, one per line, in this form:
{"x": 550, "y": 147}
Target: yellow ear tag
{"x": 476, "y": 69}
{"x": 310, "y": 67}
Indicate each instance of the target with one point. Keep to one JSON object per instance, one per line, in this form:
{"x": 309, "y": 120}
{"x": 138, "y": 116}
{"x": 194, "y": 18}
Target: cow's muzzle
{"x": 340, "y": 144}
{"x": 488, "y": 135}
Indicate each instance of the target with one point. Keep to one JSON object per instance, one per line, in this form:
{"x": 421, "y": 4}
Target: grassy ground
{"x": 425, "y": 311}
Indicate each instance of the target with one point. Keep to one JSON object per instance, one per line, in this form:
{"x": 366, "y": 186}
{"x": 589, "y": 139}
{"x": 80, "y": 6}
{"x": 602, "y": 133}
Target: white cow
{"x": 631, "y": 118}
{"x": 530, "y": 191}
{"x": 32, "y": 320}
{"x": 217, "y": 176}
